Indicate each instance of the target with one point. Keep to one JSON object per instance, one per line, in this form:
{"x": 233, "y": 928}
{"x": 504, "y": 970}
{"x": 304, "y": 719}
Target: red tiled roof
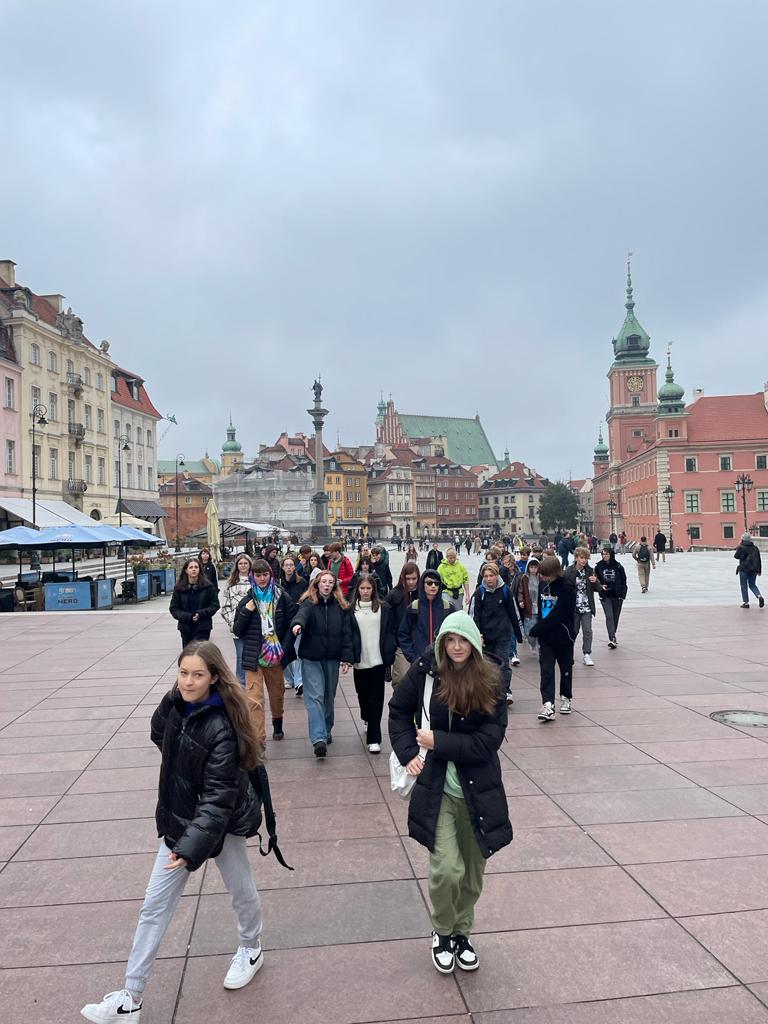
{"x": 517, "y": 471}
{"x": 728, "y": 418}
{"x": 576, "y": 485}
{"x": 44, "y": 310}
{"x": 123, "y": 396}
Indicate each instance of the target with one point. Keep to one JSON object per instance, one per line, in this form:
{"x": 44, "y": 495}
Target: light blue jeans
{"x": 528, "y": 624}
{"x": 320, "y": 681}
{"x": 292, "y": 672}
{"x": 239, "y": 670}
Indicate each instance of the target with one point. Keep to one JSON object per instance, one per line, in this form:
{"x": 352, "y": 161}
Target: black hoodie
{"x": 612, "y": 578}
{"x": 422, "y": 619}
{"x": 557, "y": 606}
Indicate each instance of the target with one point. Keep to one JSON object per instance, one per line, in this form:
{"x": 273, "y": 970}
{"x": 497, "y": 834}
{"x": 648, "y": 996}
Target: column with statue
{"x": 320, "y": 533}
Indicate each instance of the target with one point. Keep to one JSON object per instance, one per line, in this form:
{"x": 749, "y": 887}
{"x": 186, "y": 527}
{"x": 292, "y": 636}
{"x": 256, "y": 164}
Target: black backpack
{"x": 644, "y": 554}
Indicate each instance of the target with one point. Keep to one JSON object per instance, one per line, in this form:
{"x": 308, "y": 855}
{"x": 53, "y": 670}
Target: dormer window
{"x": 633, "y": 341}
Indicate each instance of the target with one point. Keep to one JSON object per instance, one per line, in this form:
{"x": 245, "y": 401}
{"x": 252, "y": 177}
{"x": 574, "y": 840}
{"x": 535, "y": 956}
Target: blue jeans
{"x": 239, "y": 670}
{"x": 292, "y": 672}
{"x": 748, "y": 579}
{"x": 320, "y": 681}
{"x": 500, "y": 647}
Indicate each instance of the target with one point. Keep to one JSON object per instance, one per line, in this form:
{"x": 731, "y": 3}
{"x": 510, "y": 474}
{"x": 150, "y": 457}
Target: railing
{"x": 76, "y": 430}
{"x": 76, "y": 486}
{"x": 75, "y": 381}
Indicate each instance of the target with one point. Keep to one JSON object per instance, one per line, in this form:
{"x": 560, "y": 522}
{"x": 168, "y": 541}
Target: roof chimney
{"x": 697, "y": 393}
{"x": 8, "y": 272}
{"x": 56, "y": 301}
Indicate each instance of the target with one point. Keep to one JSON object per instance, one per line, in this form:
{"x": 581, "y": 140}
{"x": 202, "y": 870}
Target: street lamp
{"x": 38, "y": 420}
{"x": 179, "y": 465}
{"x": 743, "y": 484}
{"x": 612, "y": 510}
{"x": 122, "y": 446}
{"x": 668, "y": 493}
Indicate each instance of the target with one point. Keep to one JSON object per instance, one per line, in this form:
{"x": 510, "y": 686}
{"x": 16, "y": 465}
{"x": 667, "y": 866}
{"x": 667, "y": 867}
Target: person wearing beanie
{"x": 458, "y": 808}
{"x": 423, "y": 617}
{"x": 555, "y": 633}
{"x": 749, "y": 568}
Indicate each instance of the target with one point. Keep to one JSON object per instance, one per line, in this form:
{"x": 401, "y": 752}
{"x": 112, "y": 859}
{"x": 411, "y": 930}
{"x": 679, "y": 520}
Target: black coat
{"x": 326, "y": 631}
{"x": 185, "y": 603}
{"x": 398, "y": 601}
{"x": 434, "y": 558}
{"x": 294, "y": 587}
{"x": 660, "y": 542}
{"x": 557, "y": 629}
{"x": 247, "y": 627}
{"x": 387, "y": 638}
{"x": 209, "y": 568}
{"x": 383, "y": 574}
{"x": 494, "y": 612}
{"x": 616, "y": 587}
{"x": 472, "y": 743}
{"x": 749, "y": 558}
{"x": 203, "y": 794}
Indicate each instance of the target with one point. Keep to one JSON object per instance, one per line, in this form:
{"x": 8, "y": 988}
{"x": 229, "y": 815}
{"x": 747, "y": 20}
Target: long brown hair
{"x": 409, "y": 569}
{"x": 354, "y": 597}
{"x": 249, "y": 746}
{"x": 475, "y": 687}
{"x": 183, "y": 582}
{"x": 234, "y": 576}
{"x": 312, "y": 594}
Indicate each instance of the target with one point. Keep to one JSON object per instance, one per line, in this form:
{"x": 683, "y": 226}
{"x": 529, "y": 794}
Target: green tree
{"x": 558, "y": 508}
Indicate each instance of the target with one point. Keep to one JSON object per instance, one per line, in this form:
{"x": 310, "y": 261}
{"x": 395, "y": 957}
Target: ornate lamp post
{"x": 743, "y": 484}
{"x": 612, "y": 510}
{"x": 123, "y": 445}
{"x": 668, "y": 493}
{"x": 38, "y": 420}
{"x": 179, "y": 465}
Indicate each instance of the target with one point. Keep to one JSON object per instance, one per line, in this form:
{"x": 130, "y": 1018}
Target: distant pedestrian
{"x": 613, "y": 591}
{"x": 645, "y": 562}
{"x": 380, "y": 568}
{"x": 400, "y": 599}
{"x": 238, "y": 585}
{"x": 340, "y": 566}
{"x": 209, "y": 566}
{"x": 194, "y": 602}
{"x": 660, "y": 544}
{"x": 373, "y": 645}
{"x": 434, "y": 557}
{"x": 749, "y": 568}
{"x": 495, "y": 615}
{"x": 455, "y": 579}
{"x": 613, "y": 540}
{"x": 555, "y": 633}
{"x": 528, "y": 600}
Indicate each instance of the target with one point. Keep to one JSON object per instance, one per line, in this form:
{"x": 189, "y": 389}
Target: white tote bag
{"x": 401, "y": 782}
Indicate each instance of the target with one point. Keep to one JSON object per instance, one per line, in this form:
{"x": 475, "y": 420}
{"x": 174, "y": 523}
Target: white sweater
{"x": 369, "y": 624}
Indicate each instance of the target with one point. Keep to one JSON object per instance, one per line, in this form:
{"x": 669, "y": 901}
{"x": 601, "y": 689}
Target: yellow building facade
{"x": 346, "y": 484}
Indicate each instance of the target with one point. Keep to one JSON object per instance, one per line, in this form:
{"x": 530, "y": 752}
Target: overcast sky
{"x": 430, "y": 198}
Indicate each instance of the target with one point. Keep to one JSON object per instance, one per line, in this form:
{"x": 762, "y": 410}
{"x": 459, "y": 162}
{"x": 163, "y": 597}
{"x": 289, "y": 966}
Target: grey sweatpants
{"x": 583, "y": 622}
{"x": 162, "y": 897}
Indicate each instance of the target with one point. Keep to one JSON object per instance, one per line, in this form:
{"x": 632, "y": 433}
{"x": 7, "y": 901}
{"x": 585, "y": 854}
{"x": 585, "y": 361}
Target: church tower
{"x": 231, "y": 453}
{"x": 632, "y": 379}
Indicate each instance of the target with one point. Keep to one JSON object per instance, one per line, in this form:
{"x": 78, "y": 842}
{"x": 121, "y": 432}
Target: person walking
{"x": 194, "y": 602}
{"x": 477, "y": 545}
{"x": 613, "y": 590}
{"x": 208, "y": 566}
{"x": 434, "y": 556}
{"x": 582, "y": 576}
{"x": 422, "y": 619}
{"x": 749, "y": 568}
{"x": 528, "y": 599}
{"x": 660, "y": 545}
{"x": 380, "y": 568}
{"x": 237, "y": 586}
{"x": 411, "y": 555}
{"x": 468, "y": 544}
{"x": 458, "y": 808}
{"x": 563, "y": 549}
{"x": 262, "y": 621}
{"x": 323, "y": 623}
{"x": 455, "y": 579}
{"x": 206, "y": 810}
{"x": 645, "y": 562}
{"x": 399, "y": 599}
{"x": 373, "y": 645}
{"x": 495, "y": 615}
{"x": 294, "y": 584}
{"x": 554, "y": 631}
{"x": 340, "y": 566}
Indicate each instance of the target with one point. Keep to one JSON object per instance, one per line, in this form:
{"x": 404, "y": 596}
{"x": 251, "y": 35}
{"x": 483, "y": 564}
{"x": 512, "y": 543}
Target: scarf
{"x": 271, "y": 649}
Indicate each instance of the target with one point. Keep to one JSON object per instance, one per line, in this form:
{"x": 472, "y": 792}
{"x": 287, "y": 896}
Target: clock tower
{"x": 632, "y": 380}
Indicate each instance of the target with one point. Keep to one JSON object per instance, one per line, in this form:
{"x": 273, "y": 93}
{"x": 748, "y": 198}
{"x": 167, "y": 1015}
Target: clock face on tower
{"x": 635, "y": 384}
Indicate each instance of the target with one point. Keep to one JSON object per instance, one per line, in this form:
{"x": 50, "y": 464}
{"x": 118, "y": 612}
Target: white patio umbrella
{"x": 214, "y": 530}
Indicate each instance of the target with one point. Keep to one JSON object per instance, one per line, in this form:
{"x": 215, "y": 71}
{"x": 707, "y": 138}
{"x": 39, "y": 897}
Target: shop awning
{"x": 48, "y": 512}
{"x": 142, "y": 508}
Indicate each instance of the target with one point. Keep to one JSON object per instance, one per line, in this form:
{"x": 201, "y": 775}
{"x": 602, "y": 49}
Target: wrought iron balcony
{"x": 76, "y": 430}
{"x": 76, "y": 486}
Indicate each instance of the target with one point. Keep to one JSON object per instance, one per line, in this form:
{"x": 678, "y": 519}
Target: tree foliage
{"x": 558, "y": 508}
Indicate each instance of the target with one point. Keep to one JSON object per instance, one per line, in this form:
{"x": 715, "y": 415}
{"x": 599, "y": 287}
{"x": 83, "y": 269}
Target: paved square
{"x": 635, "y": 889}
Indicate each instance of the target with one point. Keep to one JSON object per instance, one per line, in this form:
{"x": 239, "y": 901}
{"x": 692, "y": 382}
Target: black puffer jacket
{"x": 247, "y": 627}
{"x": 398, "y": 600}
{"x": 387, "y": 640}
{"x": 203, "y": 794}
{"x": 495, "y": 613}
{"x": 184, "y": 603}
{"x": 472, "y": 743}
{"x": 748, "y": 555}
{"x": 294, "y": 587}
{"x": 326, "y": 631}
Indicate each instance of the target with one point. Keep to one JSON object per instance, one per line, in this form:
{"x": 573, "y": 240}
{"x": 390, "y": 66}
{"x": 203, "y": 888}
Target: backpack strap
{"x": 260, "y": 782}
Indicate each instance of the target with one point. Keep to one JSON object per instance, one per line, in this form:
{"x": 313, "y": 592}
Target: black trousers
{"x": 500, "y": 647}
{"x": 549, "y": 656}
{"x": 612, "y": 609}
{"x": 197, "y": 633}
{"x": 369, "y": 684}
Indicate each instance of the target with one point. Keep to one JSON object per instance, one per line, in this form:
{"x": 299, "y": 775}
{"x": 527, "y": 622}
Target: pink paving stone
{"x": 652, "y": 841}
{"x": 691, "y": 887}
{"x": 738, "y": 940}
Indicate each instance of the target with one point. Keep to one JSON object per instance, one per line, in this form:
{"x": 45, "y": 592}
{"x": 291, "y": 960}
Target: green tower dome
{"x": 632, "y": 343}
{"x": 601, "y": 448}
{"x": 231, "y": 445}
{"x": 671, "y": 394}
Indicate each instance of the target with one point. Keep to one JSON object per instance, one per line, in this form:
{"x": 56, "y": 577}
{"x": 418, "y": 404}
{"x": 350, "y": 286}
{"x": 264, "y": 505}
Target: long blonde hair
{"x": 249, "y": 746}
{"x": 312, "y": 594}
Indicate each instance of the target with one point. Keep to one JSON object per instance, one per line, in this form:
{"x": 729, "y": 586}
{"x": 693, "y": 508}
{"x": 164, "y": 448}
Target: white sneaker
{"x": 565, "y": 705}
{"x": 588, "y": 660}
{"x": 114, "y": 1008}
{"x": 510, "y": 698}
{"x": 374, "y": 748}
{"x": 515, "y": 660}
{"x": 547, "y": 713}
{"x": 245, "y": 963}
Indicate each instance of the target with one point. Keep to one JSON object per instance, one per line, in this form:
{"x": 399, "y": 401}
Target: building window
{"x": 691, "y": 464}
{"x": 114, "y": 385}
{"x": 673, "y": 433}
{"x": 128, "y": 432}
{"x": 140, "y": 477}
{"x": 725, "y": 464}
{"x": 53, "y": 361}
{"x": 53, "y": 464}
{"x": 88, "y": 417}
{"x": 100, "y": 381}
{"x": 10, "y": 458}
{"x": 36, "y": 396}
{"x": 100, "y": 420}
{"x": 53, "y": 406}
{"x": 762, "y": 501}
{"x": 70, "y": 369}
{"x": 637, "y": 433}
{"x": 34, "y": 354}
{"x": 129, "y": 474}
{"x": 87, "y": 375}
{"x": 102, "y": 471}
{"x": 727, "y": 501}
{"x": 149, "y": 439}
{"x": 728, "y": 531}
{"x": 694, "y": 532}
{"x": 150, "y": 479}
{"x": 761, "y": 462}
{"x": 71, "y": 471}
{"x": 9, "y": 394}
{"x": 635, "y": 400}
{"x": 187, "y": 501}
{"x": 692, "y": 501}
{"x": 117, "y": 472}
{"x": 88, "y": 463}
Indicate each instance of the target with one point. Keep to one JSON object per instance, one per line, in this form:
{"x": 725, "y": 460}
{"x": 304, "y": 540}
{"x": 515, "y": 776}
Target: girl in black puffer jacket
{"x": 206, "y": 808}
{"x": 194, "y": 602}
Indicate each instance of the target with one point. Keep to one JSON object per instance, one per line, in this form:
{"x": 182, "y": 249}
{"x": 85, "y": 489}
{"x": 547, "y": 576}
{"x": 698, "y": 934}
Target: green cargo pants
{"x": 456, "y": 869}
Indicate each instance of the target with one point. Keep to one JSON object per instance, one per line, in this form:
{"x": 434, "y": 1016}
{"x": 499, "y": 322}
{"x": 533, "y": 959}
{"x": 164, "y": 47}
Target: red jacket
{"x": 343, "y": 572}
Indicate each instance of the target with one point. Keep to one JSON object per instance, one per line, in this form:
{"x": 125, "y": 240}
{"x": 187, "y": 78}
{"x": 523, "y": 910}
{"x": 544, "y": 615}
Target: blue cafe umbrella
{"x": 22, "y": 537}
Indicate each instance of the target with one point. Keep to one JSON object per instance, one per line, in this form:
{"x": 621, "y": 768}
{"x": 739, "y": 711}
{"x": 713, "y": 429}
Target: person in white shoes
{"x": 554, "y": 631}
{"x": 206, "y": 809}
{"x": 582, "y": 575}
{"x": 373, "y": 646}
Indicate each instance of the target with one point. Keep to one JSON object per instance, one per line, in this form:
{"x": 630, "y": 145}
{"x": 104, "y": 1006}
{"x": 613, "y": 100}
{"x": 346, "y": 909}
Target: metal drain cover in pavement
{"x": 755, "y": 719}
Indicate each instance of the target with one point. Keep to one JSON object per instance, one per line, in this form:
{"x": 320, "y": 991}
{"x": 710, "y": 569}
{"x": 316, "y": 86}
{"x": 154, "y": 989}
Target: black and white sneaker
{"x": 113, "y": 1008}
{"x": 466, "y": 957}
{"x": 245, "y": 963}
{"x": 547, "y": 713}
{"x": 299, "y": 689}
{"x": 443, "y": 956}
{"x": 612, "y": 644}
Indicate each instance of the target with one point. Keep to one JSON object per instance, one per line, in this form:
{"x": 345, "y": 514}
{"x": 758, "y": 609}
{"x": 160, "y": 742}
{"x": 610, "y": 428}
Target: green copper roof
{"x": 632, "y": 343}
{"x": 194, "y": 468}
{"x": 601, "y": 448}
{"x": 671, "y": 394}
{"x": 467, "y": 442}
{"x": 231, "y": 444}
